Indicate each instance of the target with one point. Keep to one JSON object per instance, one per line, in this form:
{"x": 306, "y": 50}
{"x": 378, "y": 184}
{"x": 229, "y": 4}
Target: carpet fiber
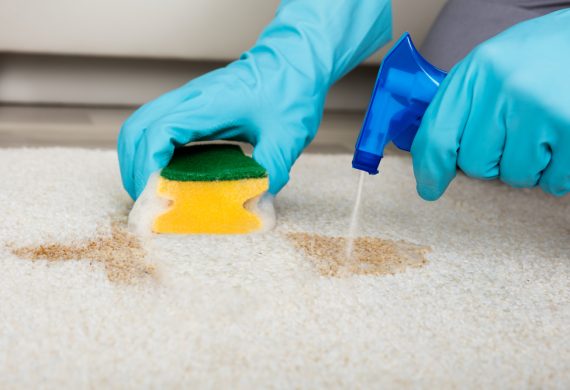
{"x": 489, "y": 307}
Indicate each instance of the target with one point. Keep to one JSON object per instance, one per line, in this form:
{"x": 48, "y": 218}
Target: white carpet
{"x": 490, "y": 309}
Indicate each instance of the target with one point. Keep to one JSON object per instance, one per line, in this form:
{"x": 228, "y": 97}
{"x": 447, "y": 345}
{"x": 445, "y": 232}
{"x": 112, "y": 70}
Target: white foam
{"x": 263, "y": 207}
{"x": 147, "y": 207}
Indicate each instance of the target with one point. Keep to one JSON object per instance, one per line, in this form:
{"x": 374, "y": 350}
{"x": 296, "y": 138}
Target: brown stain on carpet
{"x": 121, "y": 254}
{"x": 371, "y": 256}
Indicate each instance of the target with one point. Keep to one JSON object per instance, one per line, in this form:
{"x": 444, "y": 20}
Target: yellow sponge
{"x": 210, "y": 207}
{"x": 206, "y": 189}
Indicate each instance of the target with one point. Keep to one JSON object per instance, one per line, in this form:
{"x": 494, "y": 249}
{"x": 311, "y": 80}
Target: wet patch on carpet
{"x": 371, "y": 256}
{"x": 121, "y": 254}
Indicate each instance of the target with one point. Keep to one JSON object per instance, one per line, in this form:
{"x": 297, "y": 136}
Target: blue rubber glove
{"x": 272, "y": 97}
{"x": 503, "y": 112}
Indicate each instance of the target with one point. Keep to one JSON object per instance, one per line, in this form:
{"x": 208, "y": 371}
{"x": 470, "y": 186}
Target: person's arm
{"x": 272, "y": 97}
{"x": 503, "y": 112}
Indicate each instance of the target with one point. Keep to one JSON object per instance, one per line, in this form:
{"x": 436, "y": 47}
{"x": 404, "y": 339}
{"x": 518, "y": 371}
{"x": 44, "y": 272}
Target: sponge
{"x": 205, "y": 189}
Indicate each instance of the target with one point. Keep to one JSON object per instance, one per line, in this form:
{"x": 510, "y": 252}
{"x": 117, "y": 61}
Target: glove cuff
{"x": 322, "y": 39}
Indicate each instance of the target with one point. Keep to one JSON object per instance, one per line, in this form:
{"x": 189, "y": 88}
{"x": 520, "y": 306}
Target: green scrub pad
{"x": 211, "y": 162}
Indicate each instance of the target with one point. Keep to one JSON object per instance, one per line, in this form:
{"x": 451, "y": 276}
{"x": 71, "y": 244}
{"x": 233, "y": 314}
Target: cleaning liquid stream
{"x": 352, "y": 230}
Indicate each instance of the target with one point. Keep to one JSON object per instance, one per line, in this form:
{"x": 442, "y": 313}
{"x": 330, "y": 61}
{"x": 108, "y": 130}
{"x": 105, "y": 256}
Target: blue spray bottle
{"x": 405, "y": 86}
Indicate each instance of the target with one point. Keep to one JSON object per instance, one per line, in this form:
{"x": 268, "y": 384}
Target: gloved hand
{"x": 503, "y": 112}
{"x": 272, "y": 97}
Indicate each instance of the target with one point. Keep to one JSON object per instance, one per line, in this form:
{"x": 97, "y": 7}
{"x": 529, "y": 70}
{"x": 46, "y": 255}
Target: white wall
{"x": 188, "y": 29}
{"x": 120, "y": 52}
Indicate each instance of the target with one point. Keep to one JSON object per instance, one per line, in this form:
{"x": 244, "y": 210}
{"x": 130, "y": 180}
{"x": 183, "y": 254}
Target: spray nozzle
{"x": 405, "y": 86}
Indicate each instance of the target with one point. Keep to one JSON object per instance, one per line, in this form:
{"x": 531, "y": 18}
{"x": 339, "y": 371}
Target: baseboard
{"x": 66, "y": 80}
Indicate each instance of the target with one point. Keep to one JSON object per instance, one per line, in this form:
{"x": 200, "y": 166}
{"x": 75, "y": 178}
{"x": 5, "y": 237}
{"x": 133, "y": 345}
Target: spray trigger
{"x": 405, "y": 86}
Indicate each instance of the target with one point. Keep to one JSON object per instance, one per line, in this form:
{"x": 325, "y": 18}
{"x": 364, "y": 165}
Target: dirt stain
{"x": 121, "y": 254}
{"x": 371, "y": 256}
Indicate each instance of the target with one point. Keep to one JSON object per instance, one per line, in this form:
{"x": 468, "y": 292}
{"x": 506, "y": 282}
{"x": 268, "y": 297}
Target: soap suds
{"x": 121, "y": 254}
{"x": 371, "y": 256}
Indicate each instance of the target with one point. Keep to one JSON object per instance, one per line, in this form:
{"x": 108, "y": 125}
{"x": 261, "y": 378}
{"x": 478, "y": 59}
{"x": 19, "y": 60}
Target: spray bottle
{"x": 405, "y": 86}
